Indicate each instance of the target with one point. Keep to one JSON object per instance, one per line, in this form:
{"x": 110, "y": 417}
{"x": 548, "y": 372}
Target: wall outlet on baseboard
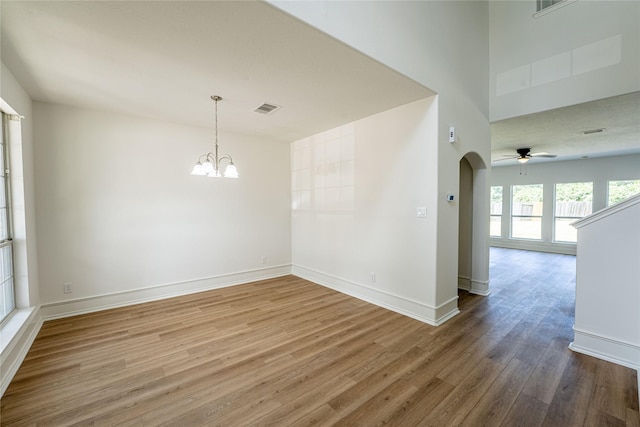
{"x": 264, "y": 259}
{"x": 67, "y": 288}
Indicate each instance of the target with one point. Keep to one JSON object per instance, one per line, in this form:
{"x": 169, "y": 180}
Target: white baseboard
{"x": 423, "y": 312}
{"x": 532, "y": 245}
{"x": 464, "y": 283}
{"x": 77, "y": 306}
{"x": 606, "y": 348}
{"x": 480, "y": 287}
{"x": 17, "y": 337}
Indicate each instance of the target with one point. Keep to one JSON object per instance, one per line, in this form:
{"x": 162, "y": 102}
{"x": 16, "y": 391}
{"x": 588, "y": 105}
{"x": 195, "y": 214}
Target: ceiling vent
{"x": 266, "y": 108}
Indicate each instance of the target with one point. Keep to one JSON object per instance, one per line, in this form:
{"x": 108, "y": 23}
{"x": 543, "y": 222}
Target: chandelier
{"x": 209, "y": 164}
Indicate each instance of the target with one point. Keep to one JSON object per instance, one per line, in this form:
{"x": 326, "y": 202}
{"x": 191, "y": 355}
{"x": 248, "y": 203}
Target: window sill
{"x": 13, "y": 327}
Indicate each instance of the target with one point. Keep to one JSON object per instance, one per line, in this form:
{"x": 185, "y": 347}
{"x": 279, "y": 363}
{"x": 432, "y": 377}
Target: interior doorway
{"x": 473, "y": 225}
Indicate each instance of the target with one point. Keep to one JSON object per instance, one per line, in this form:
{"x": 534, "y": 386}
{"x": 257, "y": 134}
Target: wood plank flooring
{"x": 287, "y": 352}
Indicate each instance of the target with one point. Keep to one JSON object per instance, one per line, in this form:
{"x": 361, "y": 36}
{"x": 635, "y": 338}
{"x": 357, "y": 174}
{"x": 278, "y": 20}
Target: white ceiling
{"x": 163, "y": 60}
{"x": 561, "y": 131}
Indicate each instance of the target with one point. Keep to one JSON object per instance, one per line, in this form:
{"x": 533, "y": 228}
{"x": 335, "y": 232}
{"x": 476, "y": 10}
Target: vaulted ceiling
{"x": 163, "y": 60}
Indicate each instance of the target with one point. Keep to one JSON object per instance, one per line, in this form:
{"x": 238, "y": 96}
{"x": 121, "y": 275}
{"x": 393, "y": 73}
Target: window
{"x": 622, "y": 190}
{"x": 573, "y": 201}
{"x": 7, "y": 297}
{"x": 526, "y": 211}
{"x": 495, "y": 224}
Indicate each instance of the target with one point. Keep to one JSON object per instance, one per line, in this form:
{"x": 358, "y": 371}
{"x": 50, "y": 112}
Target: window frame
{"x": 555, "y": 217}
{"x": 608, "y": 199}
{"x": 8, "y": 242}
{"x": 500, "y": 215}
{"x": 512, "y": 216}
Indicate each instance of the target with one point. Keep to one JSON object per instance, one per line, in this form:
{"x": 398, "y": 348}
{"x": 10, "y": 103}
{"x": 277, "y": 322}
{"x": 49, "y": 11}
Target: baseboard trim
{"x": 425, "y": 313}
{"x": 606, "y": 348}
{"x": 464, "y": 283}
{"x": 60, "y": 309}
{"x": 15, "y": 349}
{"x": 477, "y": 287}
{"x": 532, "y": 245}
{"x": 480, "y": 287}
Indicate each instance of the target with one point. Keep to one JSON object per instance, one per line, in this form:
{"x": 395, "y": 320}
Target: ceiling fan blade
{"x": 506, "y": 158}
{"x": 543, "y": 154}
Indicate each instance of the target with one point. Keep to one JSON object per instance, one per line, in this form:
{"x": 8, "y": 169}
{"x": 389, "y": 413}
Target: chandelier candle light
{"x": 209, "y": 164}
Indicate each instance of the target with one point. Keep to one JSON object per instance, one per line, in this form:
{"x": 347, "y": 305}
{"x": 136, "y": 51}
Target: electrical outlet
{"x": 264, "y": 259}
{"x": 67, "y": 288}
{"x": 373, "y": 277}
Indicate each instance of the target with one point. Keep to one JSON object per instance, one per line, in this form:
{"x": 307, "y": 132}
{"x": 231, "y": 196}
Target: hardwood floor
{"x": 288, "y": 352}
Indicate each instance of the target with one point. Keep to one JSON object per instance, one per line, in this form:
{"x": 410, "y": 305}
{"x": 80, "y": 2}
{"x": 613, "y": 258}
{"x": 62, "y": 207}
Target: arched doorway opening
{"x": 473, "y": 225}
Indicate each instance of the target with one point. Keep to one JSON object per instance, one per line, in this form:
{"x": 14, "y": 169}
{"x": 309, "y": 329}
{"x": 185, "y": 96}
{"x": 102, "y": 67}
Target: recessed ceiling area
{"x": 606, "y": 127}
{"x": 163, "y": 60}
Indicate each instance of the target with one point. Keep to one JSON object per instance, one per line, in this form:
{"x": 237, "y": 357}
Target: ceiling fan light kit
{"x": 524, "y": 155}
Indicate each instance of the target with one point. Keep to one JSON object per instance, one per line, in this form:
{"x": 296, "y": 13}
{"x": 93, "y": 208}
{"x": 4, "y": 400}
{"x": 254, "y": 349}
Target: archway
{"x": 473, "y": 225}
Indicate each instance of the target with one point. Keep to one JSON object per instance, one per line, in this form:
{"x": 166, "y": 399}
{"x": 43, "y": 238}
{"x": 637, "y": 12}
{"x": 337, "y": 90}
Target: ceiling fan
{"x": 524, "y": 154}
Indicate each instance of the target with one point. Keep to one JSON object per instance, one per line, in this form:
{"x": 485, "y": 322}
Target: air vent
{"x": 589, "y": 132}
{"x": 266, "y": 108}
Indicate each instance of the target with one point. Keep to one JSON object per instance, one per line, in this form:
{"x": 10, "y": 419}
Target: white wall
{"x": 441, "y": 44}
{"x": 120, "y": 217}
{"x": 355, "y": 190}
{"x": 445, "y": 46}
{"x": 597, "y": 170}
{"x": 585, "y": 51}
{"x": 607, "y": 321}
